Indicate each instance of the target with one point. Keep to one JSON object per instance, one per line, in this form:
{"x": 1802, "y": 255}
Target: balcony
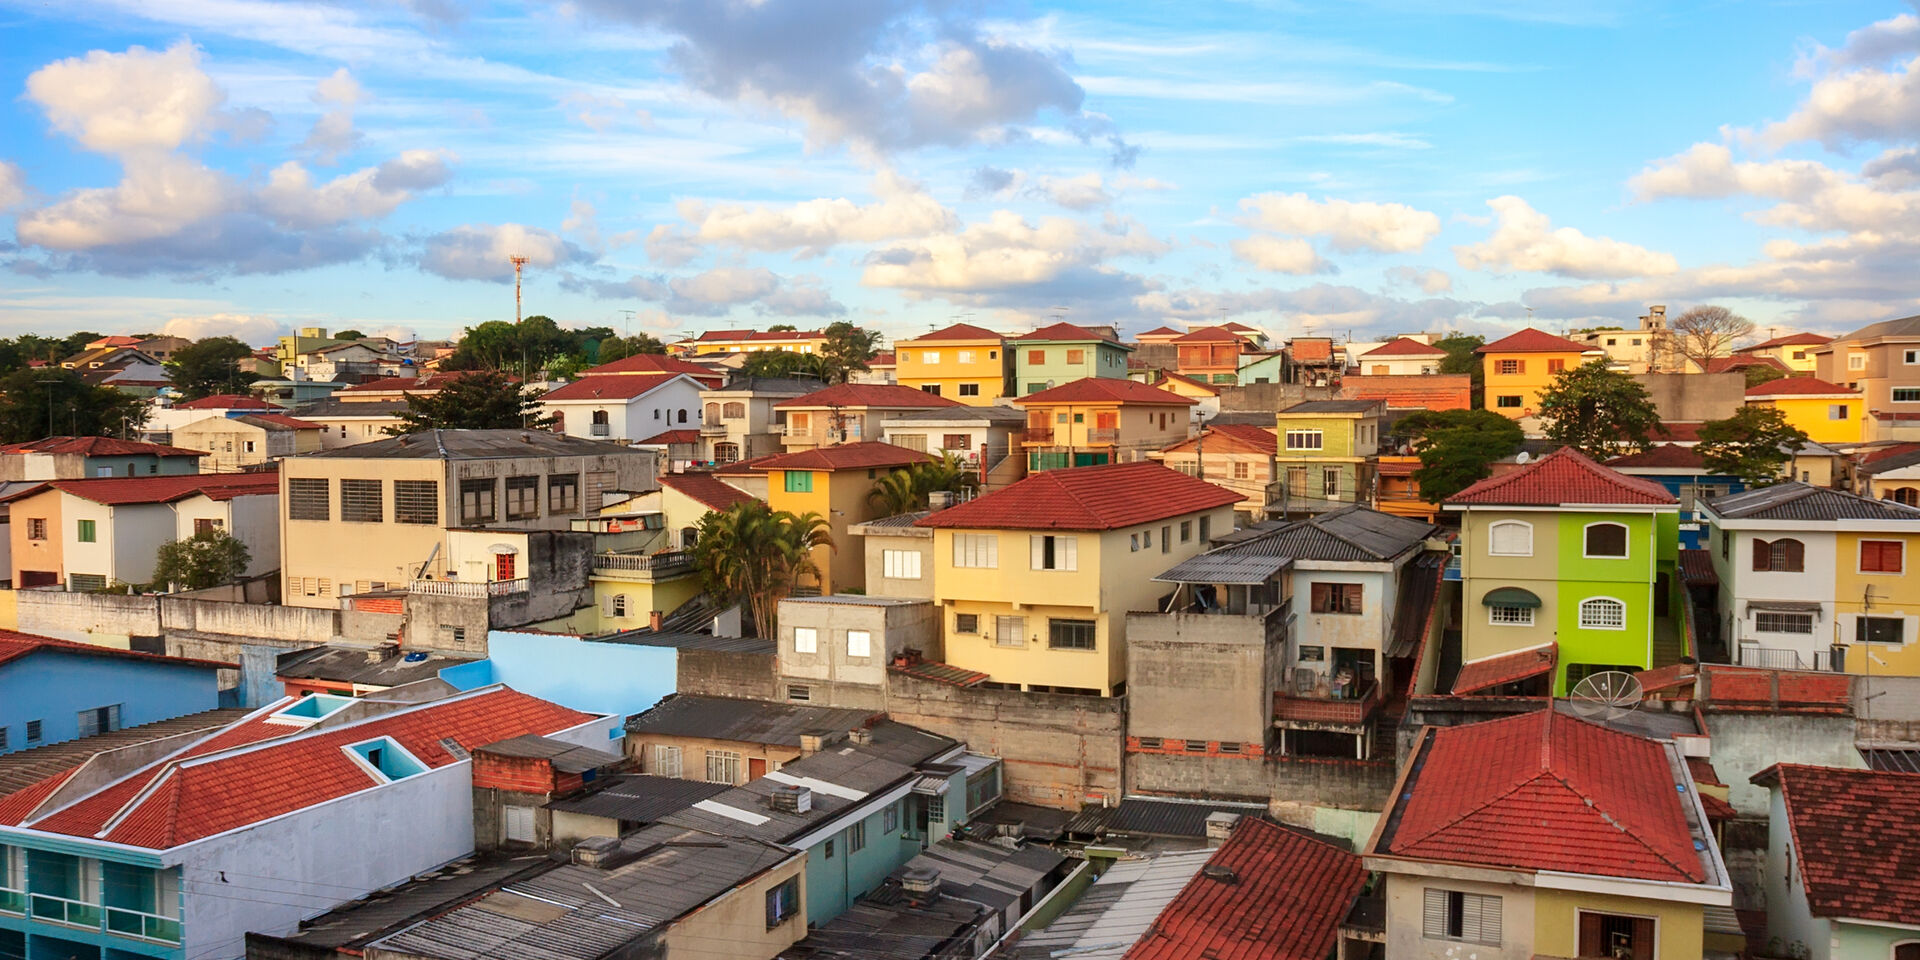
{"x": 1344, "y": 712}
{"x": 672, "y": 561}
{"x": 1039, "y": 435}
{"x": 600, "y": 429}
{"x": 469, "y": 589}
{"x": 713, "y": 429}
{"x": 13, "y": 901}
{"x": 143, "y": 925}
{"x": 72, "y": 913}
{"x": 1103, "y": 435}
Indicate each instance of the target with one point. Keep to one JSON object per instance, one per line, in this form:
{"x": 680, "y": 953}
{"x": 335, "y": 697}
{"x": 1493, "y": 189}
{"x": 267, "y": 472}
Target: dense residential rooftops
{"x": 278, "y": 421}
{"x": 1064, "y": 332}
{"x": 648, "y": 363}
{"x": 1543, "y": 791}
{"x": 1902, "y": 328}
{"x": 1106, "y": 390}
{"x": 665, "y": 437}
{"x": 1790, "y": 340}
{"x": 1168, "y": 376}
{"x": 1742, "y": 362}
{"x": 745, "y": 721}
{"x": 1794, "y": 500}
{"x": 225, "y": 401}
{"x": 1855, "y": 839}
{"x": 1207, "y": 334}
{"x": 976, "y": 881}
{"x": 1087, "y": 498}
{"x": 870, "y": 395}
{"x": 1799, "y": 387}
{"x": 1898, "y": 456}
{"x": 122, "y": 491}
{"x": 15, "y": 645}
{"x": 994, "y": 415}
{"x": 1230, "y": 437}
{"x": 350, "y": 927}
{"x": 711, "y": 336}
{"x": 865, "y": 455}
{"x": 477, "y": 445}
{"x": 1499, "y": 669}
{"x": 715, "y": 493}
{"x": 768, "y": 386}
{"x": 1403, "y": 347}
{"x": 1535, "y": 341}
{"x": 1565, "y": 477}
{"x": 1161, "y": 331}
{"x": 628, "y": 386}
{"x": 333, "y": 409}
{"x": 640, "y": 797}
{"x": 99, "y": 447}
{"x": 1352, "y": 533}
{"x": 24, "y": 768}
{"x": 958, "y": 331}
{"x": 1106, "y": 921}
{"x": 363, "y": 667}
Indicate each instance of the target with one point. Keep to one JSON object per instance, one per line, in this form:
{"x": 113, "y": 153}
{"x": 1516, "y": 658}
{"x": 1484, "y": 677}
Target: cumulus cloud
{"x": 1318, "y": 308}
{"x": 717, "y": 292}
{"x": 1084, "y": 192}
{"x": 120, "y": 102}
{"x": 159, "y": 197}
{"x": 1383, "y": 227}
{"x": 1265, "y": 251}
{"x": 904, "y": 209}
{"x": 479, "y": 251}
{"x": 1427, "y": 281}
{"x": 1005, "y": 260}
{"x": 601, "y": 113}
{"x": 583, "y": 221}
{"x": 13, "y": 186}
{"x": 1524, "y": 240}
{"x": 802, "y": 297}
{"x": 244, "y": 327}
{"x": 990, "y": 181}
{"x": 1810, "y": 194}
{"x": 333, "y": 134}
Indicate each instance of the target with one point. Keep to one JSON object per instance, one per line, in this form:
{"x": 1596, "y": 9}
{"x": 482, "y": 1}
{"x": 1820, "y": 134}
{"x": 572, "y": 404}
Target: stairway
{"x": 1386, "y": 736}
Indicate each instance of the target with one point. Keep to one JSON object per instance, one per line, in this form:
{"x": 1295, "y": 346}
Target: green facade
{"x": 1336, "y": 433}
{"x": 1099, "y": 358}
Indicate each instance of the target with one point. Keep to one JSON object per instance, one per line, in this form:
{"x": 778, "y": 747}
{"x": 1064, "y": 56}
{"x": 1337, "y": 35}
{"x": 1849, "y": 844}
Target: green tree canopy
{"x": 29, "y": 397}
{"x": 754, "y": 553}
{"x": 1457, "y": 448}
{"x": 785, "y": 363}
{"x": 478, "y": 400}
{"x": 782, "y": 328}
{"x": 912, "y": 488}
{"x": 1599, "y": 412}
{"x": 1759, "y": 374}
{"x": 210, "y": 366}
{"x": 620, "y": 348}
{"x": 848, "y": 348}
{"x": 206, "y": 559}
{"x": 1754, "y": 444}
{"x": 349, "y": 335}
{"x": 1461, "y": 359}
{"x": 524, "y": 348}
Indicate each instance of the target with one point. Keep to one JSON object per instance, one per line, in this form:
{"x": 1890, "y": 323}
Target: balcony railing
{"x": 1039, "y": 435}
{"x": 1347, "y": 712}
{"x": 643, "y": 562}
{"x": 1103, "y": 435}
{"x": 469, "y": 589}
{"x": 13, "y": 901}
{"x": 1771, "y": 658}
{"x": 73, "y": 913}
{"x": 146, "y": 926}
{"x": 713, "y": 429}
{"x": 600, "y": 429}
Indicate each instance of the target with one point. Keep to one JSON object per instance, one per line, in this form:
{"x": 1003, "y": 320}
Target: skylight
{"x": 311, "y": 709}
{"x": 386, "y": 758}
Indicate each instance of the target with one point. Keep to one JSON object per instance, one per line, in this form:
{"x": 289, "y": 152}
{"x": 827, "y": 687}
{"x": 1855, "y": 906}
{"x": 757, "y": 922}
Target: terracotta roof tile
{"x": 225, "y": 401}
{"x": 958, "y": 331}
{"x": 1856, "y": 836}
{"x": 870, "y": 395}
{"x": 115, "y": 491}
{"x": 865, "y": 455}
{"x": 1236, "y": 436}
{"x": 652, "y": 363}
{"x": 1564, "y": 477}
{"x": 626, "y": 386}
{"x": 1087, "y": 498}
{"x": 1064, "y": 331}
{"x": 673, "y": 436}
{"x": 1512, "y": 667}
{"x": 717, "y": 494}
{"x": 1105, "y": 390}
{"x": 1205, "y": 334}
{"x": 1730, "y": 364}
{"x": 1160, "y": 332}
{"x": 1168, "y": 375}
{"x": 1790, "y": 340}
{"x": 1283, "y": 899}
{"x": 282, "y": 420}
{"x": 1403, "y": 347}
{"x": 1799, "y": 387}
{"x": 1533, "y": 341}
{"x": 1696, "y": 567}
{"x": 99, "y": 447}
{"x": 14, "y": 645}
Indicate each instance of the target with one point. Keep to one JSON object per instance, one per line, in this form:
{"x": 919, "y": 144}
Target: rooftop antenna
{"x": 519, "y": 260}
{"x": 1605, "y": 696}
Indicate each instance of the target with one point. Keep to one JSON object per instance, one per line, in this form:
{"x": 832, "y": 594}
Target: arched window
{"x": 726, "y": 452}
{"x": 1510, "y": 538}
{"x": 1909, "y": 950}
{"x": 736, "y": 410}
{"x": 600, "y": 416}
{"x": 1785, "y": 555}
{"x": 1911, "y": 497}
{"x": 713, "y": 413}
{"x": 683, "y": 415}
{"x": 1603, "y": 613}
{"x": 1606, "y": 540}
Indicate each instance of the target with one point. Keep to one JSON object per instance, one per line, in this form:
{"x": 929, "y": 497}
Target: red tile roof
{"x": 870, "y": 395}
{"x": 1204, "y": 334}
{"x": 1166, "y": 375}
{"x": 882, "y": 359}
{"x": 14, "y": 645}
{"x": 1160, "y": 332}
{"x": 1565, "y": 477}
{"x": 1878, "y": 454}
{"x": 1403, "y": 347}
{"x": 225, "y": 401}
{"x": 1063, "y": 331}
{"x": 1238, "y": 327}
{"x": 1703, "y": 772}
{"x": 1717, "y": 809}
{"x": 282, "y": 420}
{"x": 1545, "y": 791}
{"x": 1533, "y": 341}
{"x": 99, "y": 447}
{"x": 1105, "y": 390}
{"x": 627, "y": 386}
{"x": 1682, "y": 431}
{"x": 958, "y": 331}
{"x": 1087, "y": 498}
{"x": 865, "y": 455}
{"x": 1856, "y": 837}
{"x": 1512, "y": 667}
{"x": 1283, "y": 898}
{"x": 411, "y": 384}
{"x": 1730, "y": 364}
{"x": 717, "y": 494}
{"x": 1231, "y": 436}
{"x": 1664, "y": 455}
{"x": 1799, "y": 387}
{"x": 1751, "y": 689}
{"x": 673, "y": 436}
{"x": 1790, "y": 340}
{"x": 652, "y": 363}
{"x": 209, "y": 790}
{"x": 120, "y": 491}
{"x": 744, "y": 468}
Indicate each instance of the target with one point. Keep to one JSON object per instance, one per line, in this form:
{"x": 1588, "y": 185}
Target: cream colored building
{"x": 238, "y": 443}
{"x": 345, "y": 423}
{"x": 737, "y": 420}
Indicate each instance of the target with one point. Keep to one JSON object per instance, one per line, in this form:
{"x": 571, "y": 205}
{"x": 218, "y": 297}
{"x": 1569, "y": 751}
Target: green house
{"x": 1322, "y": 460}
{"x": 1566, "y": 554}
{"x": 1062, "y": 353}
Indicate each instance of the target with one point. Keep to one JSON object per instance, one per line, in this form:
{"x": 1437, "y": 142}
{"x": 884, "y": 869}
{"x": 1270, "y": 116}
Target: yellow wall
{"x": 9, "y": 610}
{"x": 1811, "y": 415}
{"x": 1894, "y": 595}
{"x": 798, "y": 345}
{"x": 1139, "y": 426}
{"x": 1677, "y": 926}
{"x": 345, "y": 553}
{"x": 988, "y": 368}
{"x": 1527, "y": 384}
{"x": 735, "y": 923}
{"x": 840, "y": 497}
{"x": 1806, "y": 362}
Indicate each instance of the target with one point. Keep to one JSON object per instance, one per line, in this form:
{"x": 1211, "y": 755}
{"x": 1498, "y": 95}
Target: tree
{"x": 620, "y": 348}
{"x": 1705, "y": 332}
{"x": 206, "y": 559}
{"x": 478, "y": 400}
{"x": 349, "y": 335}
{"x": 785, "y": 363}
{"x": 211, "y": 366}
{"x": 1462, "y": 359}
{"x": 1457, "y": 447}
{"x": 782, "y": 328}
{"x": 848, "y": 348}
{"x": 1754, "y": 444}
{"x": 524, "y": 348}
{"x": 1760, "y": 373}
{"x": 911, "y": 488}
{"x": 1599, "y": 412}
{"x": 50, "y": 401}
{"x": 750, "y": 551}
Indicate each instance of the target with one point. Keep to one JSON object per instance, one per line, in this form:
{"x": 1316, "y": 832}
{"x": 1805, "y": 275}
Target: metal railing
{"x": 1038, "y": 435}
{"x": 1103, "y": 435}
{"x": 73, "y": 913}
{"x": 13, "y": 901}
{"x": 642, "y": 561}
{"x": 600, "y": 429}
{"x": 144, "y": 925}
{"x": 1327, "y": 710}
{"x": 1770, "y": 658}
{"x": 469, "y": 589}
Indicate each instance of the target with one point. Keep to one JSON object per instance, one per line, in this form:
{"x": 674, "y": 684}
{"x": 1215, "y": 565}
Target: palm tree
{"x": 754, "y": 553}
{"x": 912, "y": 488}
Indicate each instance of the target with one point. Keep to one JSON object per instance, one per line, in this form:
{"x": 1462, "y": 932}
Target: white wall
{"x": 1789, "y": 918}
{"x": 656, "y": 411}
{"x": 1739, "y": 583}
{"x": 253, "y": 520}
{"x": 1368, "y": 629}
{"x": 138, "y": 531}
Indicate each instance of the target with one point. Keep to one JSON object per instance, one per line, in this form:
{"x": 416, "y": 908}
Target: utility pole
{"x": 519, "y": 260}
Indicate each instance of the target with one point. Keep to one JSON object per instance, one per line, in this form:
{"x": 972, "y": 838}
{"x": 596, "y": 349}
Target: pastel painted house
{"x": 1519, "y": 367}
{"x": 1062, "y": 353}
{"x": 1568, "y": 552}
{"x": 849, "y": 413}
{"x": 1401, "y": 357}
{"x": 962, "y": 362}
{"x": 1835, "y": 887}
{"x": 1685, "y": 475}
{"x": 52, "y": 691}
{"x": 629, "y": 407}
{"x": 1100, "y": 420}
{"x": 1325, "y": 452}
{"x": 1827, "y": 412}
{"x": 94, "y": 534}
{"x": 835, "y": 483}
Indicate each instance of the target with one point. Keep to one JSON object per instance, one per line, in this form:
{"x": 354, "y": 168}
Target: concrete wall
{"x": 1202, "y": 676}
{"x": 1746, "y": 743}
{"x": 734, "y": 924}
{"x": 1057, "y": 750}
{"x": 1406, "y": 896}
{"x": 1267, "y": 397}
{"x": 253, "y": 520}
{"x": 1695, "y": 396}
{"x": 1292, "y": 782}
{"x": 877, "y": 546}
{"x": 832, "y": 675}
{"x": 715, "y": 673}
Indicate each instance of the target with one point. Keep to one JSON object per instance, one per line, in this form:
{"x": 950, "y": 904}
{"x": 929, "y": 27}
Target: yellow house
{"x": 1544, "y": 835}
{"x": 962, "y": 362}
{"x": 1034, "y": 582}
{"x": 834, "y": 482}
{"x": 750, "y": 341}
{"x": 1100, "y": 420}
{"x": 1795, "y": 350}
{"x": 1828, "y": 412}
{"x": 1519, "y": 367}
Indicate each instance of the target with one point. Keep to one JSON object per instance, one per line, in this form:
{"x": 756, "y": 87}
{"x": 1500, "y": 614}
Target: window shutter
{"x": 606, "y": 604}
{"x": 1796, "y": 554}
{"x": 1434, "y": 913}
{"x": 1490, "y": 920}
{"x": 1039, "y": 549}
{"x": 1067, "y": 552}
{"x": 1642, "y": 937}
{"x": 1320, "y": 591}
{"x": 1592, "y": 935}
{"x": 1762, "y": 554}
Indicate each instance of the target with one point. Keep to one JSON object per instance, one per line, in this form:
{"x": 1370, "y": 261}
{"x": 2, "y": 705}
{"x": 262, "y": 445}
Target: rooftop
{"x": 1799, "y": 387}
{"x": 279, "y": 421}
{"x": 24, "y": 768}
{"x": 1485, "y": 673}
{"x": 1116, "y": 911}
{"x": 1105, "y": 390}
{"x": 710, "y": 336}
{"x": 665, "y": 437}
{"x": 995, "y": 415}
{"x": 1064, "y": 332}
{"x": 477, "y": 445}
{"x": 628, "y": 386}
{"x": 565, "y": 757}
{"x": 644, "y": 363}
{"x": 1534, "y": 341}
{"x": 1231, "y": 436}
{"x": 1350, "y": 533}
{"x": 706, "y": 489}
{"x": 99, "y": 447}
{"x": 1856, "y": 837}
{"x": 1087, "y": 498}
{"x": 870, "y": 395}
{"x": 1902, "y": 327}
{"x": 122, "y": 491}
{"x": 1403, "y": 347}
{"x": 1332, "y": 406}
{"x": 1565, "y": 477}
{"x": 1790, "y": 340}
{"x": 864, "y": 455}
{"x": 640, "y": 797}
{"x": 364, "y": 666}
{"x": 745, "y": 721}
{"x": 1799, "y": 501}
{"x": 1168, "y": 817}
{"x": 781, "y": 386}
{"x": 1205, "y": 334}
{"x": 1664, "y": 456}
{"x": 333, "y": 409}
{"x": 15, "y": 645}
{"x": 958, "y": 331}
{"x": 225, "y": 401}
{"x": 352, "y": 926}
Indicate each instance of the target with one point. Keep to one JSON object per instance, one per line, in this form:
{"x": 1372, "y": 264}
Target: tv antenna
{"x": 1607, "y": 695}
{"x": 519, "y": 260}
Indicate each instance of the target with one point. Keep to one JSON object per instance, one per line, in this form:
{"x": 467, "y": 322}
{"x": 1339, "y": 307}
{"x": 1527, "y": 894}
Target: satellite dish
{"x": 1522, "y": 457}
{"x": 1607, "y": 695}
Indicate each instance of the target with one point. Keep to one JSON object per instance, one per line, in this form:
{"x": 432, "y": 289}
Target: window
{"x": 826, "y": 849}
{"x": 1452, "y": 915}
{"x": 1784, "y": 556}
{"x": 799, "y": 481}
{"x": 1240, "y": 469}
{"x": 1837, "y": 411}
{"x": 416, "y": 501}
{"x": 618, "y": 604}
{"x": 1501, "y": 615}
{"x": 1906, "y": 394}
{"x": 1336, "y": 597}
{"x": 683, "y": 415}
{"x": 859, "y": 643}
{"x": 1205, "y": 523}
{"x": 1076, "y": 356}
{"x": 900, "y": 564}
{"x": 1186, "y": 530}
{"x": 723, "y": 766}
{"x": 361, "y": 501}
{"x": 85, "y": 531}
{"x": 563, "y": 492}
{"x": 1510, "y": 538}
{"x": 1507, "y": 402}
{"x": 1166, "y": 539}
{"x": 1606, "y": 540}
{"x": 890, "y": 818}
{"x": 1604, "y": 935}
{"x": 857, "y": 837}
{"x": 930, "y": 388}
{"x": 1856, "y": 361}
{"x": 99, "y": 720}
{"x": 33, "y": 731}
{"x": 307, "y": 498}
{"x": 82, "y": 582}
{"x": 1070, "y": 634}
{"x": 1726, "y": 544}
{"x": 806, "y": 640}
{"x": 1036, "y": 356}
{"x": 1693, "y": 494}
{"x": 937, "y": 809}
{"x": 523, "y": 497}
{"x": 1556, "y": 366}
{"x": 799, "y": 693}
{"x": 929, "y": 356}
{"x": 1010, "y": 631}
{"x": 966, "y": 623}
{"x": 956, "y": 441}
{"x": 1881, "y": 556}
{"x": 1603, "y": 613}
{"x": 969, "y": 389}
{"x": 1133, "y": 543}
{"x": 1306, "y": 440}
{"x": 976, "y": 550}
{"x": 208, "y": 525}
{"x": 733, "y": 410}
{"x": 1510, "y": 367}
{"x": 1055, "y": 553}
{"x": 666, "y": 761}
{"x": 1330, "y": 482}
{"x": 1146, "y": 538}
{"x": 783, "y": 902}
{"x": 387, "y": 758}
{"x": 1783, "y": 622}
{"x": 600, "y": 417}
{"x": 1879, "y": 630}
{"x": 36, "y": 528}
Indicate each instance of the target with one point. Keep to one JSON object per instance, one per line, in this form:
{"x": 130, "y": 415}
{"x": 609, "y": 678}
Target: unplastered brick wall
{"x": 1057, "y": 750}
{"x": 1312, "y": 781}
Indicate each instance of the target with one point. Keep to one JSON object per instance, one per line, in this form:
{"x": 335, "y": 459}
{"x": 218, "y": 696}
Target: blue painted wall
{"x": 833, "y": 883}
{"x": 1691, "y": 530}
{"x": 595, "y": 677}
{"x": 54, "y": 687}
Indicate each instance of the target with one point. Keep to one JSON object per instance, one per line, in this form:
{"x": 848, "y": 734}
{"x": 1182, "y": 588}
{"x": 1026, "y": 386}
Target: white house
{"x": 1401, "y": 357}
{"x": 92, "y": 534}
{"x": 625, "y": 406}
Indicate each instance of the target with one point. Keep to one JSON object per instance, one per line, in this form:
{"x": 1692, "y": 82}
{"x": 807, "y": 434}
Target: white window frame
{"x": 978, "y": 551}
{"x": 929, "y": 356}
{"x": 900, "y": 564}
{"x": 1911, "y": 356}
{"x": 859, "y": 643}
{"x": 667, "y": 757}
{"x": 1528, "y": 527}
{"x": 1299, "y": 439}
{"x": 1777, "y": 615}
{"x": 963, "y": 356}
{"x": 1856, "y": 361}
{"x": 725, "y": 758}
{"x": 1621, "y": 604}
{"x": 1066, "y": 552}
{"x": 1478, "y": 900}
{"x": 1493, "y": 620}
{"x": 806, "y": 640}
{"x": 1000, "y": 624}
{"x": 1626, "y": 541}
{"x": 1913, "y": 395}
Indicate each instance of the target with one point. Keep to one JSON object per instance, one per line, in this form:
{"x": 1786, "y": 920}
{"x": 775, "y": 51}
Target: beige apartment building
{"x": 1882, "y": 361}
{"x": 248, "y": 441}
{"x": 849, "y": 413}
{"x": 376, "y": 515}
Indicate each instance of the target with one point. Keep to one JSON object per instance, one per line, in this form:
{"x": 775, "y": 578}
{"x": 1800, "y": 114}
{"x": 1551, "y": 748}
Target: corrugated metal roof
{"x": 746, "y": 721}
{"x": 1225, "y": 566}
{"x": 355, "y": 924}
{"x": 640, "y": 798}
{"x": 1800, "y": 501}
{"x": 476, "y": 445}
{"x": 1116, "y": 911}
{"x": 364, "y": 666}
{"x": 1351, "y": 533}
{"x": 1155, "y": 817}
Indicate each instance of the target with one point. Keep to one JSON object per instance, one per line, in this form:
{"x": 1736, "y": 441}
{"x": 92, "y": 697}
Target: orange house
{"x": 1518, "y": 368}
{"x": 1100, "y": 420}
{"x": 1211, "y": 355}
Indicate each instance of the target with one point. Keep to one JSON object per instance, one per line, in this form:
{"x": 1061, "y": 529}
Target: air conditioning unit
{"x": 920, "y": 882}
{"x": 791, "y": 799}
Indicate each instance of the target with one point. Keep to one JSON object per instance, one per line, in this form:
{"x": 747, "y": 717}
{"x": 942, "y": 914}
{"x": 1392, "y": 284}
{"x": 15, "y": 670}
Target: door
{"x": 519, "y": 824}
{"x": 39, "y": 578}
{"x": 756, "y": 768}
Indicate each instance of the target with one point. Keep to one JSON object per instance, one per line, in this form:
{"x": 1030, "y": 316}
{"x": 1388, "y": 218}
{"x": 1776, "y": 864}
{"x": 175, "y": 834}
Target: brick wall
{"x": 1057, "y": 750}
{"x": 718, "y": 674}
{"x": 517, "y": 774}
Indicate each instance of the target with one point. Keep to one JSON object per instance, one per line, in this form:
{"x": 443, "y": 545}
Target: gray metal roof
{"x": 1225, "y": 566}
{"x": 771, "y": 386}
{"x": 565, "y": 757}
{"x": 355, "y": 924}
{"x": 991, "y": 415}
{"x": 1154, "y": 817}
{"x": 1333, "y": 406}
{"x": 746, "y": 721}
{"x": 1351, "y": 533}
{"x": 334, "y": 409}
{"x": 904, "y": 522}
{"x": 24, "y": 768}
{"x": 1800, "y": 501}
{"x": 687, "y": 641}
{"x": 478, "y": 445}
{"x": 1116, "y": 911}
{"x": 886, "y": 923}
{"x": 858, "y": 600}
{"x": 1903, "y": 327}
{"x": 365, "y": 666}
{"x": 1898, "y": 461}
{"x": 640, "y": 797}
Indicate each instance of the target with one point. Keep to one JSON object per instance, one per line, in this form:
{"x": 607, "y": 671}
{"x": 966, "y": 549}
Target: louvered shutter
{"x": 1762, "y": 554}
{"x": 1489, "y": 917}
{"x": 1067, "y": 552}
{"x": 1434, "y": 914}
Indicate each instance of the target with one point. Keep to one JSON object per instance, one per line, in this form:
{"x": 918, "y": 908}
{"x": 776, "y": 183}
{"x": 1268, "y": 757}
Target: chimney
{"x": 810, "y": 744}
{"x": 1220, "y": 826}
{"x": 861, "y": 736}
{"x": 920, "y": 883}
{"x": 790, "y": 798}
{"x": 654, "y": 619}
{"x": 940, "y": 499}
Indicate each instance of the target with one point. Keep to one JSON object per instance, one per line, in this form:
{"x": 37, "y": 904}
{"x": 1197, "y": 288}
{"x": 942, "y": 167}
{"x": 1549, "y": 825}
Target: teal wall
{"x": 1264, "y": 370}
{"x": 833, "y": 883}
{"x": 1860, "y": 940}
{"x": 1102, "y": 359}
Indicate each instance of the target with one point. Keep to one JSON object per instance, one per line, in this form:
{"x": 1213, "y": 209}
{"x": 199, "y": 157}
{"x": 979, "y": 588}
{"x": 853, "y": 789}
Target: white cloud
{"x": 160, "y": 196}
{"x": 479, "y": 251}
{"x": 118, "y": 102}
{"x": 333, "y": 134}
{"x": 602, "y": 112}
{"x": 250, "y": 329}
{"x": 1005, "y": 251}
{"x": 13, "y": 186}
{"x": 1428, "y": 281}
{"x": 1384, "y": 227}
{"x": 1265, "y": 251}
{"x": 291, "y": 198}
{"x": 1866, "y": 104}
{"x": 812, "y": 227}
{"x": 583, "y": 221}
{"x": 1525, "y": 241}
{"x": 1084, "y": 192}
{"x": 1811, "y": 195}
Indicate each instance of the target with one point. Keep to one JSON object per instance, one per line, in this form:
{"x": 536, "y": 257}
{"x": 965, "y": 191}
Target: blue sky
{"x": 208, "y": 166}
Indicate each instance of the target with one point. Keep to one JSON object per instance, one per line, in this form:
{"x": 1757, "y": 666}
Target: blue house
{"x": 1679, "y": 469}
{"x": 621, "y": 673}
{"x": 72, "y": 458}
{"x": 55, "y": 690}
